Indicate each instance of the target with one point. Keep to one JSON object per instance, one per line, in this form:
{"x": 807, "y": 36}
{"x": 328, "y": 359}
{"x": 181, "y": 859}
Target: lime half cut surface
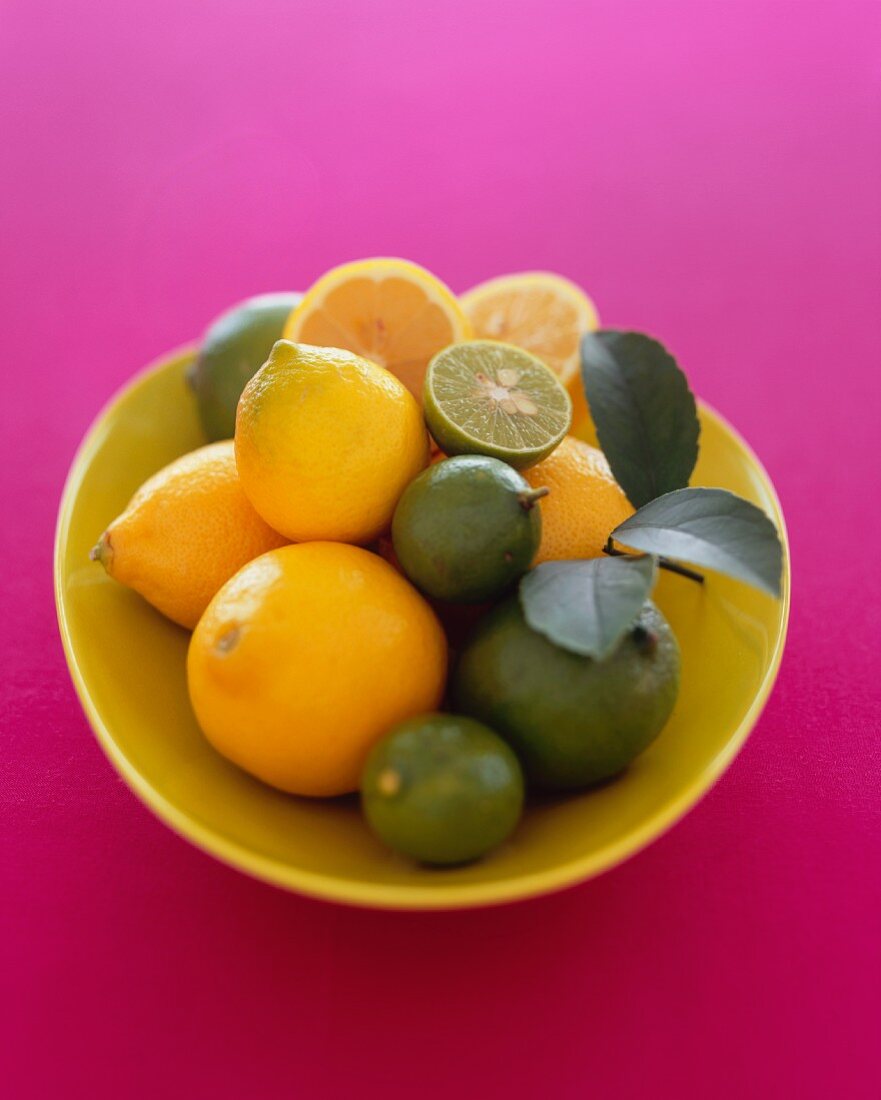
{"x": 488, "y": 398}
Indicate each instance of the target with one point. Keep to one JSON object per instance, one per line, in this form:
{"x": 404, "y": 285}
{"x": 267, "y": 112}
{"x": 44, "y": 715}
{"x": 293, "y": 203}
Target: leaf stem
{"x": 663, "y": 563}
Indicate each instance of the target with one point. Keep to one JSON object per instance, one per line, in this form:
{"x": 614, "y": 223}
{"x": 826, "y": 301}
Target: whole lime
{"x": 466, "y": 528}
{"x": 442, "y": 789}
{"x": 233, "y": 349}
{"x": 573, "y": 721}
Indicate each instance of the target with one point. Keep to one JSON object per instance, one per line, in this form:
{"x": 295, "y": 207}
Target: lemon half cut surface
{"x": 543, "y": 313}
{"x": 390, "y": 311}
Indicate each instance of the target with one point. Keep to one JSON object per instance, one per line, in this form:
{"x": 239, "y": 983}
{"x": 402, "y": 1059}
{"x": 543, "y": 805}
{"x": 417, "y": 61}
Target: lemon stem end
{"x": 102, "y": 551}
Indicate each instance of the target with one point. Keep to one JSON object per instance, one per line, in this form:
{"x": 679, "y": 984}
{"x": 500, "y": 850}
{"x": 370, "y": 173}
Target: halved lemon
{"x": 541, "y": 312}
{"x": 390, "y": 311}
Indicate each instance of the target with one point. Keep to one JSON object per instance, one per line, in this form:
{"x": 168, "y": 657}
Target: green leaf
{"x": 586, "y": 606}
{"x": 644, "y": 412}
{"x": 712, "y": 528}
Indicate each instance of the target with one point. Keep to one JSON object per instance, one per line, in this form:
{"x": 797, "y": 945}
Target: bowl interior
{"x": 127, "y": 663}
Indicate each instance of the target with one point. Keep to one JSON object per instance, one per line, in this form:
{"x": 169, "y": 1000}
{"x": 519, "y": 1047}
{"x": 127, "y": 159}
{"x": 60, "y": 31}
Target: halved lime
{"x": 488, "y": 398}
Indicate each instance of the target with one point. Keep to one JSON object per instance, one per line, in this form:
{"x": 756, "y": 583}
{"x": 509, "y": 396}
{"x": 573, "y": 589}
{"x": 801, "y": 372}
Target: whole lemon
{"x": 306, "y": 658}
{"x": 584, "y": 505}
{"x": 185, "y": 532}
{"x": 326, "y": 442}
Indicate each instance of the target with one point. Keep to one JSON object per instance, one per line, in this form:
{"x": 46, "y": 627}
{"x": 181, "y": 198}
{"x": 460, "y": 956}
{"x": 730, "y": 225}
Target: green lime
{"x": 442, "y": 789}
{"x": 573, "y": 721}
{"x": 234, "y": 348}
{"x": 467, "y": 528}
{"x": 487, "y": 398}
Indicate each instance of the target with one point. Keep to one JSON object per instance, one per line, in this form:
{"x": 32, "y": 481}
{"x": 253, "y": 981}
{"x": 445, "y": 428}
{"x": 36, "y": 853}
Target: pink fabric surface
{"x": 712, "y": 174}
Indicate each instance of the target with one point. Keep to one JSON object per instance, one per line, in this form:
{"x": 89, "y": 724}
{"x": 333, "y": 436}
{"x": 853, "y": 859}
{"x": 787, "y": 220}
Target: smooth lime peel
{"x": 442, "y": 789}
{"x": 467, "y": 528}
{"x": 573, "y": 721}
{"x": 233, "y": 349}
{"x": 488, "y": 398}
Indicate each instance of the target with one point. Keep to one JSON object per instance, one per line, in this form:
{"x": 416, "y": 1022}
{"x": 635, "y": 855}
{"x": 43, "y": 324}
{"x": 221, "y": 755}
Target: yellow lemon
{"x": 186, "y": 531}
{"x": 393, "y": 312}
{"x": 307, "y": 657}
{"x": 584, "y": 504}
{"x": 326, "y": 442}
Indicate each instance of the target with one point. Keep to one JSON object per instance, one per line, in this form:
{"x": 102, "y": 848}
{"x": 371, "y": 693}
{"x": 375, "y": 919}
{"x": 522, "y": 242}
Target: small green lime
{"x": 573, "y": 721}
{"x": 442, "y": 789}
{"x": 466, "y": 528}
{"x": 487, "y": 398}
{"x": 234, "y": 348}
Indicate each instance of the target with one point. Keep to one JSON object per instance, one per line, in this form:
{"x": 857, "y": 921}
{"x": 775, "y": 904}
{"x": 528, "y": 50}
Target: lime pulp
{"x": 489, "y": 398}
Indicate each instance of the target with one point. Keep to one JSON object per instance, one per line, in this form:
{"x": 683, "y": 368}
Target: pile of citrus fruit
{"x": 386, "y": 461}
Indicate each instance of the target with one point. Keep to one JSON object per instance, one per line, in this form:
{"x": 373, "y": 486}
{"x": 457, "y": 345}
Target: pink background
{"x": 711, "y": 173}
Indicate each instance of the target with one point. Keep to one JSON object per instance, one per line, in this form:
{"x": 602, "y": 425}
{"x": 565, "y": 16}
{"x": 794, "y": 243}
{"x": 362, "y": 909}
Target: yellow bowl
{"x": 127, "y": 664}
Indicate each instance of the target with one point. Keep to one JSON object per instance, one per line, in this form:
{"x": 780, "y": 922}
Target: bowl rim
{"x": 385, "y": 895}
